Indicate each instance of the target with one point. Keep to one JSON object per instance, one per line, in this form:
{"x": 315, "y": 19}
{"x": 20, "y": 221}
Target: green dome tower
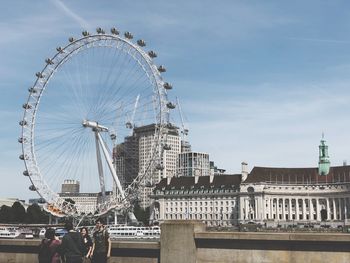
{"x": 323, "y": 159}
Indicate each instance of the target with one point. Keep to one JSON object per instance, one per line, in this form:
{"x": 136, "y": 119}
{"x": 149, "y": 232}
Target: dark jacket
{"x": 72, "y": 246}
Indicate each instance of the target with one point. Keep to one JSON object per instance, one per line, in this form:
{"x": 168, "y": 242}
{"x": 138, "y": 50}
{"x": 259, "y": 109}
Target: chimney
{"x": 196, "y": 177}
{"x": 244, "y": 171}
{"x": 211, "y": 178}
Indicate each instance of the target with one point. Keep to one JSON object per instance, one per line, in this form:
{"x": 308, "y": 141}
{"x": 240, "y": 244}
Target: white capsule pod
{"x": 113, "y": 137}
{"x": 100, "y": 30}
{"x": 39, "y": 75}
{"x": 128, "y": 35}
{"x": 167, "y": 86}
{"x": 170, "y": 105}
{"x": 23, "y": 123}
{"x": 71, "y": 39}
{"x": 167, "y": 147}
{"x": 32, "y": 90}
{"x": 152, "y": 54}
{"x": 128, "y": 125}
{"x": 170, "y": 126}
{"x": 59, "y": 49}
{"x": 26, "y": 173}
{"x": 26, "y": 106}
{"x": 22, "y": 140}
{"x": 85, "y": 33}
{"x": 159, "y": 167}
{"x": 23, "y": 157}
{"x": 141, "y": 42}
{"x": 49, "y": 61}
{"x": 114, "y": 31}
{"x": 161, "y": 68}
{"x": 32, "y": 188}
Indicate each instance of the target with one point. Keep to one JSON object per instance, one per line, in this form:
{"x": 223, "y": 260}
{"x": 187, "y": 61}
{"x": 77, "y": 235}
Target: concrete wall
{"x": 188, "y": 242}
{"x": 272, "y": 247}
{"x": 25, "y": 251}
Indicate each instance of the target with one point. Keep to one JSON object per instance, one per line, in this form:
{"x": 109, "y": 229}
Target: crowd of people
{"x": 76, "y": 246}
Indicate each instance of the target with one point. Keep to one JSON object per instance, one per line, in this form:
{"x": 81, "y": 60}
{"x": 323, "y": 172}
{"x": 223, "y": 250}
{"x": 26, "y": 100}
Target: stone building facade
{"x": 211, "y": 199}
{"x": 273, "y": 197}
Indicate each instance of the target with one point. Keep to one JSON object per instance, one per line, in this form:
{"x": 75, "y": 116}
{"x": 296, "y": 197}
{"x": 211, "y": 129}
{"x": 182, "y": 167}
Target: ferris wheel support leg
{"x": 100, "y": 168}
{"x": 114, "y": 173}
{"x": 110, "y": 164}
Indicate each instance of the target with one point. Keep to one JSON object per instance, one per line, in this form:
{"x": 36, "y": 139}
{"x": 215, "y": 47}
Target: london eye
{"x": 91, "y": 95}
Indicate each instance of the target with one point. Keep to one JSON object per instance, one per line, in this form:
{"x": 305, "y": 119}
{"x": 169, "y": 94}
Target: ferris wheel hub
{"x": 94, "y": 126}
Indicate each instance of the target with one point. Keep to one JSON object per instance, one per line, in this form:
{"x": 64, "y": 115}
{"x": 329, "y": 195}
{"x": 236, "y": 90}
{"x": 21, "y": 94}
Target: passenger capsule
{"x": 166, "y": 147}
{"x": 170, "y": 126}
{"x": 161, "y": 68}
{"x": 32, "y": 188}
{"x": 141, "y": 43}
{"x": 128, "y": 125}
{"x": 100, "y": 30}
{"x": 26, "y": 173}
{"x": 59, "y": 49}
{"x": 26, "y": 106}
{"x": 49, "y": 61}
{"x": 85, "y": 33}
{"x": 152, "y": 54}
{"x": 23, "y": 123}
{"x": 160, "y": 167}
{"x": 170, "y": 105}
{"x": 114, "y": 31}
{"x": 167, "y": 86}
{"x": 22, "y": 140}
{"x": 113, "y": 136}
{"x": 32, "y": 90}
{"x": 39, "y": 75}
{"x": 128, "y": 35}
{"x": 23, "y": 157}
{"x": 71, "y": 39}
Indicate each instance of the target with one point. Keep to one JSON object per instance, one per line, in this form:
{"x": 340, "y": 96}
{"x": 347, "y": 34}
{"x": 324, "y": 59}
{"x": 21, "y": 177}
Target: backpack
{"x": 45, "y": 255}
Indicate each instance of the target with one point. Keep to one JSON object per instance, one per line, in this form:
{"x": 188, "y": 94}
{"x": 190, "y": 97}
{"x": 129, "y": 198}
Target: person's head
{"x": 68, "y": 225}
{"x": 99, "y": 223}
{"x": 84, "y": 231}
{"x": 50, "y": 233}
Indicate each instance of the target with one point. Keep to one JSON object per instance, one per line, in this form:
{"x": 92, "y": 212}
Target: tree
{"x": 36, "y": 215}
{"x": 19, "y": 212}
{"x": 141, "y": 214}
{"x": 6, "y": 214}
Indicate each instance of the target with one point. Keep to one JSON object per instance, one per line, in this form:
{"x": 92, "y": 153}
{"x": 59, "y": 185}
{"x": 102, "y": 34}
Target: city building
{"x": 297, "y": 196}
{"x": 211, "y": 199}
{"x": 70, "y": 186}
{"x": 132, "y": 157}
{"x": 272, "y": 197}
{"x": 193, "y": 164}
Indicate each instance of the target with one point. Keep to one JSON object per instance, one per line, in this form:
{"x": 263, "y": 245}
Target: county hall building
{"x": 272, "y": 197}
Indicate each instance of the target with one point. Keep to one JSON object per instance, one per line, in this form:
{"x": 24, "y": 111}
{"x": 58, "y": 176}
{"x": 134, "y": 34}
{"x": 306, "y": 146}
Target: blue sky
{"x": 258, "y": 81}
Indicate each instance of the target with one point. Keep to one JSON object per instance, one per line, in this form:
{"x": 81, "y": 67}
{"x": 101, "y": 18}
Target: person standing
{"x": 72, "y": 247}
{"x": 87, "y": 244}
{"x": 101, "y": 248}
{"x": 49, "y": 247}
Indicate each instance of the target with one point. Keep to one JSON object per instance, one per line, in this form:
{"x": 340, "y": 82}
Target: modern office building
{"x": 193, "y": 164}
{"x": 132, "y": 157}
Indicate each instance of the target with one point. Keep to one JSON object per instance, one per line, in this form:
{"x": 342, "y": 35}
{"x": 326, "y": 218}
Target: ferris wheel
{"x": 87, "y": 102}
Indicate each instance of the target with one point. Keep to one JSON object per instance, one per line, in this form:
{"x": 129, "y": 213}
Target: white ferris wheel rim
{"x": 32, "y": 170}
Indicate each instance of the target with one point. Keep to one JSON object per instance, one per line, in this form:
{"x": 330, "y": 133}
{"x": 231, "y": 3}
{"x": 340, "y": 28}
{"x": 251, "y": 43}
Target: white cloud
{"x": 70, "y": 13}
